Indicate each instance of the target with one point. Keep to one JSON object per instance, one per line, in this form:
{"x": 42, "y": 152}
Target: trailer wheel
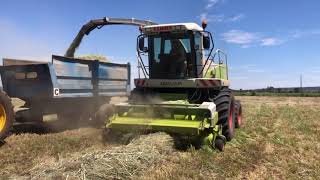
{"x": 6, "y": 115}
{"x": 225, "y": 106}
{"x": 238, "y": 114}
{"x": 27, "y": 115}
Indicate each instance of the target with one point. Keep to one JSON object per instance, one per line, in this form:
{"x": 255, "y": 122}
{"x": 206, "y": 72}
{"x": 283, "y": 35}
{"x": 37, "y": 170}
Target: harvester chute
{"x": 99, "y": 23}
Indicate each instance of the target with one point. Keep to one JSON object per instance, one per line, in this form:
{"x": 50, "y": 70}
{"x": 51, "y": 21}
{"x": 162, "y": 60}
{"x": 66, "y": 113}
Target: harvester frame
{"x": 183, "y": 90}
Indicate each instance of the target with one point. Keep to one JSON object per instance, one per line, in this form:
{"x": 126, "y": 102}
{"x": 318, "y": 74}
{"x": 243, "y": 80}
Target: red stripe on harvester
{"x": 208, "y": 83}
{"x": 213, "y": 82}
{"x": 204, "y": 83}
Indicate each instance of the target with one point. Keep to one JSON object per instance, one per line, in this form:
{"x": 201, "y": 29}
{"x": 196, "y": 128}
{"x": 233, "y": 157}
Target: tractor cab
{"x": 175, "y": 51}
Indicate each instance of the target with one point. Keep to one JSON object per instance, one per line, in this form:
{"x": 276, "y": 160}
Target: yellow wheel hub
{"x": 3, "y": 117}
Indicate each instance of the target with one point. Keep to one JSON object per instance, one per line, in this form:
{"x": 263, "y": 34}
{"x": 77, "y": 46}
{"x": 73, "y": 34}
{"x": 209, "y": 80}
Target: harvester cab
{"x": 180, "y": 59}
{"x": 175, "y": 50}
{"x": 182, "y": 87}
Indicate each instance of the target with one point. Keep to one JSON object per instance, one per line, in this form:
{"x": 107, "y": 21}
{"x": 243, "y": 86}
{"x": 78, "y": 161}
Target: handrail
{"x": 218, "y": 52}
{"x": 226, "y": 59}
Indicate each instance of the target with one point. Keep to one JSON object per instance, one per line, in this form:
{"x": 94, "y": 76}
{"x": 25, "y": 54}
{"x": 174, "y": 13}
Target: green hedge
{"x": 253, "y": 93}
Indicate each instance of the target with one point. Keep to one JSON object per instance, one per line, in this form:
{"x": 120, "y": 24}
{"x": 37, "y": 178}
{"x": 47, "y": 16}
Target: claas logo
{"x": 163, "y": 28}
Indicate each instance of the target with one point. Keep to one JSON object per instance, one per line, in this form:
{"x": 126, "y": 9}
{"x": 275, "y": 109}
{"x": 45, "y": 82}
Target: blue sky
{"x": 269, "y": 43}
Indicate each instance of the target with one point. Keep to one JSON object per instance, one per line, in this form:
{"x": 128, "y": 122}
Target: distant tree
{"x": 296, "y": 90}
{"x": 279, "y": 90}
{"x": 270, "y": 89}
{"x": 253, "y": 93}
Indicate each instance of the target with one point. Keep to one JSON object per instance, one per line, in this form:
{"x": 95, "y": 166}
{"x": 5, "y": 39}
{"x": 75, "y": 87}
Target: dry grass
{"x": 22, "y": 152}
{"x": 118, "y": 162}
{"x": 280, "y": 139}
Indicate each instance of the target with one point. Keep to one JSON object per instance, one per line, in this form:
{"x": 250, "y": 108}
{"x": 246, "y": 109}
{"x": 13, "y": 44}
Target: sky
{"x": 268, "y": 42}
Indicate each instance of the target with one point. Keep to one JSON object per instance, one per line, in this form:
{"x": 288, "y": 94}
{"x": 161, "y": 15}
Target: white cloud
{"x": 203, "y": 16}
{"x": 236, "y": 18}
{"x": 215, "y": 18}
{"x": 211, "y": 3}
{"x": 304, "y": 33}
{"x": 249, "y": 39}
{"x": 270, "y": 42}
{"x": 245, "y": 46}
{"x": 211, "y": 18}
{"x": 220, "y": 17}
{"x": 252, "y": 39}
{"x": 240, "y": 37}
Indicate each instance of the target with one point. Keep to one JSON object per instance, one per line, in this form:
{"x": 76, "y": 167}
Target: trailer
{"x": 74, "y": 89}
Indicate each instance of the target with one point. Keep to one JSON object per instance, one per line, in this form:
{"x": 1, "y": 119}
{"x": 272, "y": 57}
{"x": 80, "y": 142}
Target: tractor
{"x": 182, "y": 87}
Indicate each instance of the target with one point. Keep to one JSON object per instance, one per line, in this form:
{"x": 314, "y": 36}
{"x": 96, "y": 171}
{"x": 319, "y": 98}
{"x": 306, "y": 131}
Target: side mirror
{"x": 206, "y": 42}
{"x": 141, "y": 44}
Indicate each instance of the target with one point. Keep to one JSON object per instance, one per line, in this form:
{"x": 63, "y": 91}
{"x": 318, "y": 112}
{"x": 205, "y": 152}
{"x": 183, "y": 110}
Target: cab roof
{"x": 171, "y": 27}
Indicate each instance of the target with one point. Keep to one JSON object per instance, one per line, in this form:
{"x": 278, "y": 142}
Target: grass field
{"x": 280, "y": 139}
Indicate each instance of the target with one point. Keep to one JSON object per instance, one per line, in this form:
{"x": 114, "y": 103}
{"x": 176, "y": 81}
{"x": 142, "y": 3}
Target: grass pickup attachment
{"x": 198, "y": 121}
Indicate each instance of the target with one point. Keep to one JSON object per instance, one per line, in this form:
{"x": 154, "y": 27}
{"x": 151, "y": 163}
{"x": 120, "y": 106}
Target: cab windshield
{"x": 170, "y": 55}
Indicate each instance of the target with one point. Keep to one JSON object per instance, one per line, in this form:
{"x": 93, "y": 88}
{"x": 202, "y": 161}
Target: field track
{"x": 280, "y": 139}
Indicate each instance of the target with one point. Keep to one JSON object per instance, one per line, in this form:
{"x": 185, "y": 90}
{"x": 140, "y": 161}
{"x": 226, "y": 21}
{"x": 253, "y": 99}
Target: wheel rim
{"x": 230, "y": 118}
{"x": 3, "y": 117}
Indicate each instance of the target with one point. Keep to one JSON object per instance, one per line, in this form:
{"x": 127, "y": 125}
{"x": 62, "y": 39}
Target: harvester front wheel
{"x": 219, "y": 143}
{"x": 6, "y": 115}
{"x": 238, "y": 114}
{"x": 225, "y": 107}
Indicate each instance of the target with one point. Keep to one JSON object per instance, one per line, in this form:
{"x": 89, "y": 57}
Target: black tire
{"x": 26, "y": 115}
{"x": 238, "y": 114}
{"x": 219, "y": 143}
{"x": 225, "y": 106}
{"x": 6, "y": 115}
